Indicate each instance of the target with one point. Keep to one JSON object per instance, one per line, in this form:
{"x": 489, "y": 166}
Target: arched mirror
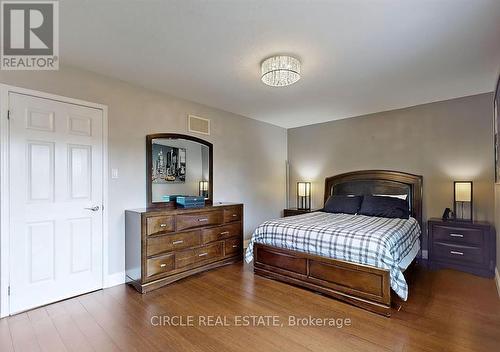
{"x": 177, "y": 164}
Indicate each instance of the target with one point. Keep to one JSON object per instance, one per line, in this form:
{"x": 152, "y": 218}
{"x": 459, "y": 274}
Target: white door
{"x": 56, "y": 193}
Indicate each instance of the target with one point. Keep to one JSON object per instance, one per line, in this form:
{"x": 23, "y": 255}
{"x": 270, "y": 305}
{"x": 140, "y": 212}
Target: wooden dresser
{"x": 465, "y": 246}
{"x": 165, "y": 245}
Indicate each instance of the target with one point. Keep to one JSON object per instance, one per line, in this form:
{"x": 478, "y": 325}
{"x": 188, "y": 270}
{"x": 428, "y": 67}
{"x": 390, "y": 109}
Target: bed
{"x": 354, "y": 258}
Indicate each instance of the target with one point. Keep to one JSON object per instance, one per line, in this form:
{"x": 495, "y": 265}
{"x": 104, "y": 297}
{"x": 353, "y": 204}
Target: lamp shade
{"x": 303, "y": 189}
{"x": 463, "y": 191}
{"x": 204, "y": 189}
{"x": 304, "y": 195}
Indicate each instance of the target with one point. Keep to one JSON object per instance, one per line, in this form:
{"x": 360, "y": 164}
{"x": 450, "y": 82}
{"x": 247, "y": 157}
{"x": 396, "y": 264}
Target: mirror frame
{"x": 149, "y": 167}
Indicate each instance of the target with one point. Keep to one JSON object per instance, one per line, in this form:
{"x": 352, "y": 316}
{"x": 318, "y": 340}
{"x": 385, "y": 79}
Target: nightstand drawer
{"x": 295, "y": 211}
{"x": 458, "y": 235}
{"x": 466, "y": 254}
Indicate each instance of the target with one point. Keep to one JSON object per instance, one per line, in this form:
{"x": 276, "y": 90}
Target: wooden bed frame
{"x": 365, "y": 286}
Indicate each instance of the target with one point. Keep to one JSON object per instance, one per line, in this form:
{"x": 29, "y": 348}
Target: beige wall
{"x": 443, "y": 141}
{"x": 249, "y": 155}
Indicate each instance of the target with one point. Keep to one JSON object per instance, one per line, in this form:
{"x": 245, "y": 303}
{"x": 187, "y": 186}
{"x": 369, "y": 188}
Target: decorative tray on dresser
{"x": 166, "y": 245}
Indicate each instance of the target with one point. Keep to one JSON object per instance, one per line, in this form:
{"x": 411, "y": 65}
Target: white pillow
{"x": 400, "y": 196}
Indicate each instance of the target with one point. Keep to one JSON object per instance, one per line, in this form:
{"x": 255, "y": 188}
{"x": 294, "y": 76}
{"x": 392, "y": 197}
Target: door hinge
{"x": 8, "y": 114}
{"x": 8, "y": 291}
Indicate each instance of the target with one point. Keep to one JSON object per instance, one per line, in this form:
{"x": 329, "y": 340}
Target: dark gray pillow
{"x": 385, "y": 207}
{"x": 343, "y": 204}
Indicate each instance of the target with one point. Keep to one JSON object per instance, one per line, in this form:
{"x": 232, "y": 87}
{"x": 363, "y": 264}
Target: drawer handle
{"x": 224, "y": 233}
{"x": 235, "y": 246}
{"x": 456, "y": 235}
{"x": 235, "y": 215}
{"x": 163, "y": 265}
{"x": 163, "y": 225}
{"x": 202, "y": 254}
{"x": 456, "y": 253}
{"x": 202, "y": 219}
{"x": 178, "y": 242}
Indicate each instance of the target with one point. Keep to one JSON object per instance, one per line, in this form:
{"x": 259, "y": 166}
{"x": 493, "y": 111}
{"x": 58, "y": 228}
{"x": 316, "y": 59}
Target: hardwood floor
{"x": 446, "y": 311}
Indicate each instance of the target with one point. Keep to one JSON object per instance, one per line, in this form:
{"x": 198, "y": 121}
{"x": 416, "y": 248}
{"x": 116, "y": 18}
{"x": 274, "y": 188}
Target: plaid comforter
{"x": 379, "y": 242}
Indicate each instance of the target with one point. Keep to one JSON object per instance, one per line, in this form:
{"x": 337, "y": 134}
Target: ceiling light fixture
{"x": 280, "y": 71}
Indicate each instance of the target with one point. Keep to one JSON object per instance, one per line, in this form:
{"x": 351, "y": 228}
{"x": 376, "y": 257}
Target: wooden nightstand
{"x": 465, "y": 246}
{"x": 295, "y": 211}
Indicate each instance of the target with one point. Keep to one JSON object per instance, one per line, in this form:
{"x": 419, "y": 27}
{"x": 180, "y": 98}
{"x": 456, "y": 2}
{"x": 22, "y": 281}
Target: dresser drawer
{"x": 232, "y": 246}
{"x": 220, "y": 233}
{"x": 232, "y": 214}
{"x": 159, "y": 265}
{"x": 159, "y": 224}
{"x": 200, "y": 254}
{"x": 166, "y": 243}
{"x": 210, "y": 251}
{"x": 458, "y": 235}
{"x": 186, "y": 221}
{"x": 465, "y": 254}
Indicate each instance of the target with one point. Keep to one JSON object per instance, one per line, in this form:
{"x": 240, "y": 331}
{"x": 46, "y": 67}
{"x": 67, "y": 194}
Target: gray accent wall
{"x": 443, "y": 141}
{"x": 249, "y": 155}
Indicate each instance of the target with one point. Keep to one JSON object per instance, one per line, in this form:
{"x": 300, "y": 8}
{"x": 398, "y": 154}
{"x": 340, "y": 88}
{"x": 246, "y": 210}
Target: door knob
{"x": 96, "y": 208}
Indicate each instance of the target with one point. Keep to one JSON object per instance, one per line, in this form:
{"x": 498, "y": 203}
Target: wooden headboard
{"x": 379, "y": 182}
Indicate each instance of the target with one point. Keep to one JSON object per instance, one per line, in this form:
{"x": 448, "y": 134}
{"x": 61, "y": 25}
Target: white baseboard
{"x": 114, "y": 280}
{"x": 497, "y": 280}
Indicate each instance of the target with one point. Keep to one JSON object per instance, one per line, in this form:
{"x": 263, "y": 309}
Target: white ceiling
{"x": 358, "y": 56}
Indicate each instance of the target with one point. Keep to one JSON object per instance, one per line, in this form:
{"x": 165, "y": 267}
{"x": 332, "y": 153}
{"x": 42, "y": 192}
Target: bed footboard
{"x": 361, "y": 285}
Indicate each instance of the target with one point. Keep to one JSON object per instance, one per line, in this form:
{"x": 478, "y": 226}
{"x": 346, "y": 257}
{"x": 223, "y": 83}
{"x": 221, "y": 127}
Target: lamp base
{"x": 463, "y": 211}
{"x": 304, "y": 202}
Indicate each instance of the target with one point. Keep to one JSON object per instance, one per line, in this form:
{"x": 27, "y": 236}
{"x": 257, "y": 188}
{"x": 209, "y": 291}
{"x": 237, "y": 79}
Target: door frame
{"x": 107, "y": 280}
